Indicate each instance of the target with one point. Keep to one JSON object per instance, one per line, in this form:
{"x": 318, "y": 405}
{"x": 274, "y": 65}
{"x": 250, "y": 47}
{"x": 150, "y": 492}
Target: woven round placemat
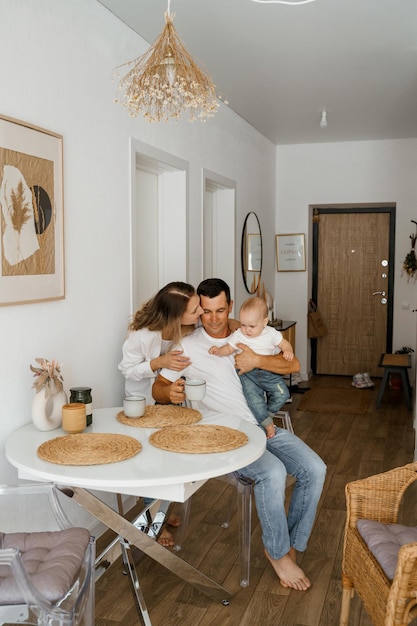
{"x": 89, "y": 449}
{"x": 199, "y": 439}
{"x": 160, "y": 415}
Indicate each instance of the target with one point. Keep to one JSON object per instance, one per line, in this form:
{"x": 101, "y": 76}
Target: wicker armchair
{"x": 387, "y": 602}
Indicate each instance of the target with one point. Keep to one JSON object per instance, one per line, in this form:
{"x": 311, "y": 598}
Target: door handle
{"x": 379, "y": 293}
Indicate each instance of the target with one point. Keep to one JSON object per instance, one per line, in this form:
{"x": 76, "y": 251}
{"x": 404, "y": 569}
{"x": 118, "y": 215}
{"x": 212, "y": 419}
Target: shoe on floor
{"x": 358, "y": 381}
{"x": 367, "y": 380}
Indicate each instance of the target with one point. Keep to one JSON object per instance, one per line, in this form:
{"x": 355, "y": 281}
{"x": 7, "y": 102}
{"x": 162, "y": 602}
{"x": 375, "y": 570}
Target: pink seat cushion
{"x": 51, "y": 559}
{"x": 385, "y": 540}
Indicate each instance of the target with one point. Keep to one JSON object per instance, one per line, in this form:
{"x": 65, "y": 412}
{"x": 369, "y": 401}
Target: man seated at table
{"x": 285, "y": 453}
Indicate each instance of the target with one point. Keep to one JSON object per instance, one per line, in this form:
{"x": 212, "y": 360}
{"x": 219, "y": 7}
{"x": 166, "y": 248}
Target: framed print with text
{"x": 31, "y": 214}
{"x": 290, "y": 251}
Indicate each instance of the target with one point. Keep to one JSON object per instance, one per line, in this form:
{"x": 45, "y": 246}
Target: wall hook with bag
{"x": 315, "y": 324}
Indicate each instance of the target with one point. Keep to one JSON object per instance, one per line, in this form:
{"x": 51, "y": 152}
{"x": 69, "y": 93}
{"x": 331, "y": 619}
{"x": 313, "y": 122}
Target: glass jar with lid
{"x": 83, "y": 395}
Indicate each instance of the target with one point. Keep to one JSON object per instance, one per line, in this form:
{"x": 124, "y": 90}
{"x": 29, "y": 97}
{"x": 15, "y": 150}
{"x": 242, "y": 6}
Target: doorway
{"x": 159, "y": 221}
{"x": 168, "y": 242}
{"x": 353, "y": 286}
{"x": 219, "y": 230}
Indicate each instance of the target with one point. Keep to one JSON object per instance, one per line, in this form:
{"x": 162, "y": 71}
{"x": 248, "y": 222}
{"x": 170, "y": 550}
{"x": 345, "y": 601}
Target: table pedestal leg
{"x": 134, "y": 536}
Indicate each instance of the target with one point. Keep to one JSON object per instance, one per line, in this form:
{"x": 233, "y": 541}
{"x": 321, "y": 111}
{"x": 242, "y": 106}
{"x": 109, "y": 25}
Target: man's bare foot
{"x": 289, "y": 574}
{"x": 174, "y": 520}
{"x": 293, "y": 554}
{"x": 165, "y": 538}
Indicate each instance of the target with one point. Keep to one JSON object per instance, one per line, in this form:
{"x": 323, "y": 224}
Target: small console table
{"x": 287, "y": 328}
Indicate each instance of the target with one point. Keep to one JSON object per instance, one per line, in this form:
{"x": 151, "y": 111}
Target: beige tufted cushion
{"x": 52, "y": 560}
{"x": 385, "y": 540}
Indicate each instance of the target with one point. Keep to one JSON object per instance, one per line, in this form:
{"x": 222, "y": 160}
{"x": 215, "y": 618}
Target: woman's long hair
{"x": 165, "y": 310}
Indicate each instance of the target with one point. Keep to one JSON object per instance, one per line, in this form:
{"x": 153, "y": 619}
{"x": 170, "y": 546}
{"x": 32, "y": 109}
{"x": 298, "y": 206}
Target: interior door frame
{"x": 166, "y": 250}
{"x": 380, "y": 208}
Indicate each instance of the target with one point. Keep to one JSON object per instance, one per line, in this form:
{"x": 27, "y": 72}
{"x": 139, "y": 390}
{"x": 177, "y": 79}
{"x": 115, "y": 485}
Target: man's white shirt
{"x": 223, "y": 389}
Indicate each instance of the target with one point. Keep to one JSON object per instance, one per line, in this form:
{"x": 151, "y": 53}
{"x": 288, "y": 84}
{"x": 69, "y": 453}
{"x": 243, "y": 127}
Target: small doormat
{"x": 336, "y": 400}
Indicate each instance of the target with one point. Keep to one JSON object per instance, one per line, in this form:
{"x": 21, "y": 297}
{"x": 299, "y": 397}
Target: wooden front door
{"x": 353, "y": 259}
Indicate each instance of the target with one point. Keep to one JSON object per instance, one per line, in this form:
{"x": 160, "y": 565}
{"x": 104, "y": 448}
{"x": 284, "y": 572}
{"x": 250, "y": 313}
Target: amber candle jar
{"x": 74, "y": 418}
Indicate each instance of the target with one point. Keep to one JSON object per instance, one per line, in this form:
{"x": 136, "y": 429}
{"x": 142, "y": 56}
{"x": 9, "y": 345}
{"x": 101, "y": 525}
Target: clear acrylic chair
{"x": 285, "y": 418}
{"x": 244, "y": 506}
{"x": 46, "y": 564}
{"x": 244, "y": 487}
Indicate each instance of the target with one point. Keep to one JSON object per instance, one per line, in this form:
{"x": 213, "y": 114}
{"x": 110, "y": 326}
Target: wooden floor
{"x": 352, "y": 446}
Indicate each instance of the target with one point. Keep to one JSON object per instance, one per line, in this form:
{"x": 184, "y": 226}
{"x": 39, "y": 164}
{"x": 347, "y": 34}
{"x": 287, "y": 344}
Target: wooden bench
{"x": 395, "y": 364}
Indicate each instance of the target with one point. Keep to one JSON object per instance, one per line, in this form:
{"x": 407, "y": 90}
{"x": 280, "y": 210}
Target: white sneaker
{"x": 359, "y": 382}
{"x": 155, "y": 527}
{"x": 367, "y": 380}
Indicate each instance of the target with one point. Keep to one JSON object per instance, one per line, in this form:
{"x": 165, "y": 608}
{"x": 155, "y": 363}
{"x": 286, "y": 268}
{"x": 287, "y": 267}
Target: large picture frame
{"x": 31, "y": 214}
{"x": 290, "y": 252}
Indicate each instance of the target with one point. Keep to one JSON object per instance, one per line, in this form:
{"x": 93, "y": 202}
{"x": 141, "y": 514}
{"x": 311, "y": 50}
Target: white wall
{"x": 57, "y": 62}
{"x": 354, "y": 173}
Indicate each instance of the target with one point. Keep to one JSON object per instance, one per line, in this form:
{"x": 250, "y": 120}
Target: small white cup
{"x": 134, "y": 406}
{"x": 195, "y": 389}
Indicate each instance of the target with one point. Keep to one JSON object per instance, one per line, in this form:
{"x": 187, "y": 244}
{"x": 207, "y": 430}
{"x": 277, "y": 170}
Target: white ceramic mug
{"x": 195, "y": 389}
{"x": 134, "y": 406}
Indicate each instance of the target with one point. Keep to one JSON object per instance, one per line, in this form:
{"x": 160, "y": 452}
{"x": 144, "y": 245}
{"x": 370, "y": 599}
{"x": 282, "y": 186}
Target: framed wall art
{"x": 290, "y": 251}
{"x": 31, "y": 214}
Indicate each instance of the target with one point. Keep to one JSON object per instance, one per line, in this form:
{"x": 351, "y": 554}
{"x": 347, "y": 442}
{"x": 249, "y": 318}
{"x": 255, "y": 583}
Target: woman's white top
{"x": 140, "y": 347}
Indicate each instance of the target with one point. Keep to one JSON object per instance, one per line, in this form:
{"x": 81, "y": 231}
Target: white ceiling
{"x": 279, "y": 66}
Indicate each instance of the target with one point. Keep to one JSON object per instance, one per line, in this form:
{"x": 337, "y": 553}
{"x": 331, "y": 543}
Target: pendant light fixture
{"x": 165, "y": 82}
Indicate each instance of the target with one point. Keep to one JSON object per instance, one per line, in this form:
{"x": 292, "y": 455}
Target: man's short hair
{"x": 213, "y": 287}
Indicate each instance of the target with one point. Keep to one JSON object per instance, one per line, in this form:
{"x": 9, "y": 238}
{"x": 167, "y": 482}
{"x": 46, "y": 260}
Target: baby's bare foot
{"x": 289, "y": 574}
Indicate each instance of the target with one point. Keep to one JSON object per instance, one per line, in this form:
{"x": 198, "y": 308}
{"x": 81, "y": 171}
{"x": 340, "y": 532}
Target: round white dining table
{"x": 153, "y": 472}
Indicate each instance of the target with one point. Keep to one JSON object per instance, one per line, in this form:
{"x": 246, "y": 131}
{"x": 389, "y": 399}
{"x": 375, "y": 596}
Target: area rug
{"x": 336, "y": 400}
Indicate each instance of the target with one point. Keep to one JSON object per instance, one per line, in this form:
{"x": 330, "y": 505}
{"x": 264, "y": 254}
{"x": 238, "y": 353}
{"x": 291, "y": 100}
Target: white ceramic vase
{"x": 47, "y": 412}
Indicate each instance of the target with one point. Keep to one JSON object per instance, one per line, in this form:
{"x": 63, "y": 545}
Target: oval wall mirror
{"x": 251, "y": 252}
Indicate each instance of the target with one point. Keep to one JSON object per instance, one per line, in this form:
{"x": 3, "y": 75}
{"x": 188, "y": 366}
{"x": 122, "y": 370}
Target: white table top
{"x": 152, "y": 472}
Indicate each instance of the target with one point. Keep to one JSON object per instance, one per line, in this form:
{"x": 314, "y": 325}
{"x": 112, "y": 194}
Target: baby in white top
{"x": 262, "y": 339}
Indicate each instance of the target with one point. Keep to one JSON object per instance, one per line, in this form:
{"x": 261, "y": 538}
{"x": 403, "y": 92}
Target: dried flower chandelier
{"x": 165, "y": 81}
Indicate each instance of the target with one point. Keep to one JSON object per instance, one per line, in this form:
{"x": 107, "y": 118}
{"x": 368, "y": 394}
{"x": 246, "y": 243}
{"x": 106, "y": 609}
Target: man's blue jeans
{"x": 286, "y": 454}
{"x": 265, "y": 393}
